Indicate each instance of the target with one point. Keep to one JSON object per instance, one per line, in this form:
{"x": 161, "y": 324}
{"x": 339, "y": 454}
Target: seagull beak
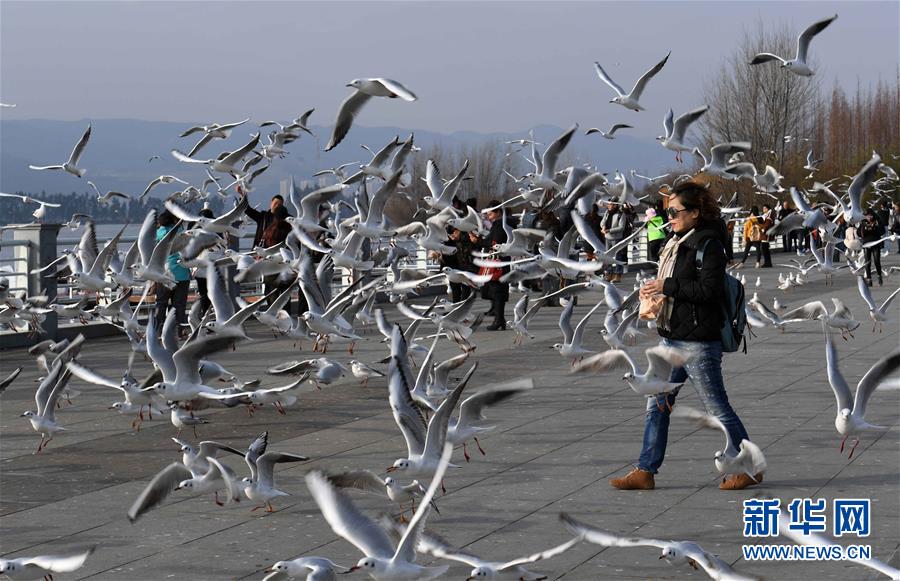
{"x": 351, "y": 569}
{"x": 662, "y": 556}
{"x": 390, "y": 468}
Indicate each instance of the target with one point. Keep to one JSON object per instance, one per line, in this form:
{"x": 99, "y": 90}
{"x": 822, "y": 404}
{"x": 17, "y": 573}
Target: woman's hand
{"x": 651, "y": 288}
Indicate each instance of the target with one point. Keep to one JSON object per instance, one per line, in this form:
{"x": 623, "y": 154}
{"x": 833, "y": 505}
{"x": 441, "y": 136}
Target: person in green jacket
{"x": 656, "y": 234}
{"x": 178, "y": 295}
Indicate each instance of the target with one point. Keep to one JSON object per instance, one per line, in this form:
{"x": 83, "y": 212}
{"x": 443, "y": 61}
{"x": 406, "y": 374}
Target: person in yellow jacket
{"x": 656, "y": 233}
{"x": 754, "y": 232}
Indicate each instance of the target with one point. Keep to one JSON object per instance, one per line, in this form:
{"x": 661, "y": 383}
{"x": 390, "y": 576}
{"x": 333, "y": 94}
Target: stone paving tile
{"x": 552, "y": 450}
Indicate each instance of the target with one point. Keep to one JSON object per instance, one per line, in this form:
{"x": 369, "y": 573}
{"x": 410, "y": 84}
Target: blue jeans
{"x": 705, "y": 372}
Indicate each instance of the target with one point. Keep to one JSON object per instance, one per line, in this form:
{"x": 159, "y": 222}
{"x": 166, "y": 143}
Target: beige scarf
{"x": 667, "y": 261}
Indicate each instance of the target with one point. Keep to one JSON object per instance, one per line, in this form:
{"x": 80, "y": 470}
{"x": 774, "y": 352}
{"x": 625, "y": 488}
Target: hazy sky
{"x": 482, "y": 66}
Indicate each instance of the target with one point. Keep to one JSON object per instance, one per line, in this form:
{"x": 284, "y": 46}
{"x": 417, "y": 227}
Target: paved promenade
{"x": 553, "y": 450}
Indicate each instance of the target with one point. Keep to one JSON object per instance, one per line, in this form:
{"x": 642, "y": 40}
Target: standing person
{"x": 264, "y": 218}
{"x": 275, "y": 233}
{"x": 752, "y": 237}
{"x": 459, "y": 260}
{"x": 656, "y": 233}
{"x": 787, "y": 239}
{"x": 176, "y": 296}
{"x": 894, "y": 227}
{"x": 766, "y": 223}
{"x": 871, "y": 230}
{"x": 690, "y": 320}
{"x": 614, "y": 227}
{"x": 200, "y": 272}
{"x": 495, "y": 291}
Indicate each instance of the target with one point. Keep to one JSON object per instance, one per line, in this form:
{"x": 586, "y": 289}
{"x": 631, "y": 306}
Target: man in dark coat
{"x": 264, "y": 218}
{"x": 495, "y": 291}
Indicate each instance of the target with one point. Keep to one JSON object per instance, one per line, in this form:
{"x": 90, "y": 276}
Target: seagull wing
{"x": 350, "y": 108}
{"x": 237, "y": 155}
{"x": 437, "y": 426}
{"x": 582, "y": 324}
{"x": 60, "y": 564}
{"x": 835, "y": 378}
{"x": 684, "y": 121}
{"x": 218, "y": 294}
{"x": 346, "y": 519}
{"x": 406, "y": 548}
{"x": 79, "y": 147}
{"x": 10, "y": 378}
{"x": 605, "y": 539}
{"x": 162, "y": 485}
{"x": 861, "y": 181}
{"x": 187, "y": 359}
{"x": 608, "y": 80}
{"x": 704, "y": 420}
{"x": 765, "y": 57}
{"x": 147, "y": 238}
{"x": 265, "y": 466}
{"x": 874, "y": 376}
{"x": 668, "y": 123}
{"x": 662, "y": 359}
{"x": 471, "y": 410}
{"x": 364, "y": 480}
{"x": 607, "y": 360}
{"x": 865, "y": 293}
{"x": 89, "y": 375}
{"x": 811, "y": 311}
{"x": 715, "y": 567}
{"x": 180, "y": 211}
{"x": 553, "y": 151}
{"x": 565, "y": 322}
{"x": 641, "y": 83}
{"x": 807, "y": 35}
{"x": 397, "y": 89}
{"x": 552, "y": 552}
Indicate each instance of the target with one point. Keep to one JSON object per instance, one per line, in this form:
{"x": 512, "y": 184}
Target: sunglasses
{"x": 672, "y": 212}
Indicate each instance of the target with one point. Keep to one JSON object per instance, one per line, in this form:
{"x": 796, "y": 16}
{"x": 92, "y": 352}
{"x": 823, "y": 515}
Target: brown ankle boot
{"x": 740, "y": 481}
{"x": 637, "y": 479}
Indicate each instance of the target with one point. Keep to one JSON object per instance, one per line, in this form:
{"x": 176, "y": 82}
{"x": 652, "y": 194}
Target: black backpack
{"x": 734, "y": 314}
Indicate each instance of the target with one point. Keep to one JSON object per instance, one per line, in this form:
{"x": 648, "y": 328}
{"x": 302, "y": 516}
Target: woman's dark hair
{"x": 754, "y": 210}
{"x": 166, "y": 219}
{"x": 280, "y": 213}
{"x": 695, "y": 196}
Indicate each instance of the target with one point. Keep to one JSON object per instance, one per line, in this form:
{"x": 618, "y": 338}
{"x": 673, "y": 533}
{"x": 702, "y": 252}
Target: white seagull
{"x": 43, "y": 566}
{"x": 676, "y": 130}
{"x": 660, "y": 362}
{"x": 365, "y": 90}
{"x": 630, "y": 100}
{"x": 879, "y": 314}
{"x": 71, "y": 165}
{"x": 798, "y": 64}
{"x": 612, "y": 130}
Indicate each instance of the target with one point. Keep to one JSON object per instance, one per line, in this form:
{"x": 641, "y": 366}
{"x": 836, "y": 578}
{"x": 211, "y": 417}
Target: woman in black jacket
{"x": 690, "y": 320}
{"x": 495, "y": 291}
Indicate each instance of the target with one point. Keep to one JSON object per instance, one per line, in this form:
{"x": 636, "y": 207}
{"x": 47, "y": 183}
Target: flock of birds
{"x": 431, "y": 409}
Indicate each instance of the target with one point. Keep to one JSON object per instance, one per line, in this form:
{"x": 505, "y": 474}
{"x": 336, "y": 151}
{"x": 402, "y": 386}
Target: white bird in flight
{"x": 677, "y": 128}
{"x": 630, "y": 100}
{"x": 365, "y": 90}
{"x": 797, "y": 65}
{"x": 612, "y": 130}
{"x": 71, "y": 165}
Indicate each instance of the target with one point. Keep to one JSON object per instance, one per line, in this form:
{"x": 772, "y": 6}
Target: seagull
{"x": 879, "y": 314}
{"x": 612, "y": 130}
{"x": 484, "y": 569}
{"x": 660, "y": 362}
{"x": 226, "y": 162}
{"x": 42, "y": 567}
{"x": 812, "y": 164}
{"x": 315, "y": 569}
{"x": 160, "y": 180}
{"x": 9, "y": 379}
{"x": 630, "y": 100}
{"x": 42, "y": 206}
{"x": 71, "y": 165}
{"x": 210, "y": 132}
{"x": 676, "y": 130}
{"x": 324, "y": 370}
{"x": 674, "y": 552}
{"x": 365, "y": 90}
{"x": 382, "y": 561}
{"x": 196, "y": 459}
{"x": 364, "y": 371}
{"x": 470, "y": 422}
{"x": 572, "y": 338}
{"x": 368, "y": 481}
{"x": 850, "y": 419}
{"x": 840, "y": 319}
{"x": 748, "y": 459}
{"x": 105, "y": 199}
{"x": 260, "y": 487}
{"x": 43, "y": 420}
{"x": 522, "y": 315}
{"x": 798, "y": 64}
{"x": 544, "y": 173}
{"x": 811, "y": 538}
{"x": 772, "y": 317}
{"x": 176, "y": 476}
{"x": 442, "y": 193}
{"x": 718, "y": 164}
{"x": 653, "y": 180}
{"x": 423, "y": 459}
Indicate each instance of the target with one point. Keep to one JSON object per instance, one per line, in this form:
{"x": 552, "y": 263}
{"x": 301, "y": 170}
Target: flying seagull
{"x": 365, "y": 90}
{"x": 630, "y": 100}
{"x": 798, "y": 65}
{"x": 71, "y": 165}
{"x": 612, "y": 130}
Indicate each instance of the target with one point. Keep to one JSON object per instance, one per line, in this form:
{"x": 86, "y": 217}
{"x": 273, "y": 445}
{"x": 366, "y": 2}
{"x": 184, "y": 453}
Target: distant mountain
{"x": 117, "y": 155}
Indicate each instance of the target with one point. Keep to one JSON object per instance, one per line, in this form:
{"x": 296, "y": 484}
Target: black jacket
{"x": 495, "y": 290}
{"x": 697, "y": 312}
{"x": 263, "y": 219}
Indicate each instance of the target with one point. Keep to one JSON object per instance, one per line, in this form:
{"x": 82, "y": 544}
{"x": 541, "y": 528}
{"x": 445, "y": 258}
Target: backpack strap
{"x": 698, "y": 258}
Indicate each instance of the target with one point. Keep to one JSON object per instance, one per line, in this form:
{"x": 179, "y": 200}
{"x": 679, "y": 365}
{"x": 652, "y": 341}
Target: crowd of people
{"x": 612, "y": 226}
